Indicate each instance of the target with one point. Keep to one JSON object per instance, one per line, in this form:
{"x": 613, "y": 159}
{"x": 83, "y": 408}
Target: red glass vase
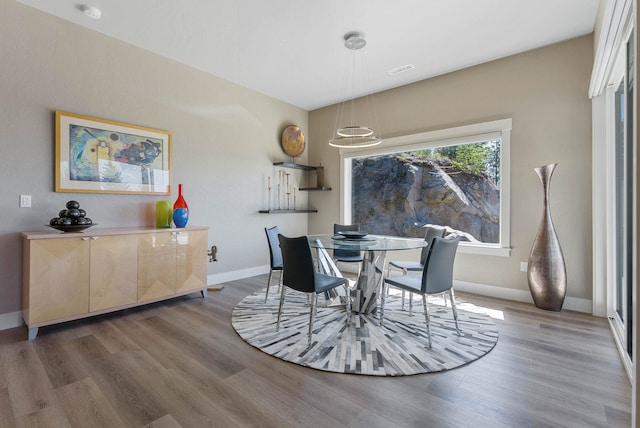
{"x": 180, "y": 210}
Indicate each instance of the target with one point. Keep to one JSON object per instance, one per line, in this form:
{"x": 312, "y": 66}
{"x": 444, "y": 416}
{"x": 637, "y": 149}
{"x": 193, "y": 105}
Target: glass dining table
{"x": 375, "y": 247}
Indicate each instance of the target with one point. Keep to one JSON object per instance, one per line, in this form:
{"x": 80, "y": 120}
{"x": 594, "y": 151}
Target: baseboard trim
{"x": 11, "y": 320}
{"x": 221, "y": 278}
{"x": 570, "y": 303}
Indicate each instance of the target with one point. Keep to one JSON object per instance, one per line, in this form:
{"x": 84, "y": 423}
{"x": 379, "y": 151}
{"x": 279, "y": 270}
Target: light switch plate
{"x": 25, "y": 201}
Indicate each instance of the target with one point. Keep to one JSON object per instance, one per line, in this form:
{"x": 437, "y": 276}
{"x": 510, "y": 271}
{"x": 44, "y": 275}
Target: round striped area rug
{"x": 361, "y": 345}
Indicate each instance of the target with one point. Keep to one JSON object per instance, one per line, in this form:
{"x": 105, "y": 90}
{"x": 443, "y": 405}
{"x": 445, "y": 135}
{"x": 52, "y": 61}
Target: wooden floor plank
{"x": 3, "y": 378}
{"x": 96, "y": 410}
{"x": 179, "y": 363}
{"x": 47, "y": 417}
{"x": 112, "y": 339}
{"x": 185, "y": 404}
{"x": 309, "y": 387}
{"x": 6, "y": 413}
{"x": 59, "y": 361}
{"x": 289, "y": 406}
{"x": 166, "y": 421}
{"x": 131, "y": 399}
{"x": 369, "y": 419}
{"x": 195, "y": 347}
{"x": 27, "y": 381}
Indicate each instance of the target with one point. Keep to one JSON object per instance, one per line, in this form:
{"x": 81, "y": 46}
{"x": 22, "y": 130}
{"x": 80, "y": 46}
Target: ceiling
{"x": 293, "y": 50}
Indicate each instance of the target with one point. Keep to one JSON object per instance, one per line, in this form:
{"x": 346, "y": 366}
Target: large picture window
{"x": 455, "y": 178}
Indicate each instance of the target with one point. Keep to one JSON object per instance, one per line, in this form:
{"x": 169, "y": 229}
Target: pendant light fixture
{"x": 348, "y": 134}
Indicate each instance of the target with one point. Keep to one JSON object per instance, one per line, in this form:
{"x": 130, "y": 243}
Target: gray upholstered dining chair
{"x": 416, "y": 266}
{"x": 436, "y": 278}
{"x": 300, "y": 274}
{"x": 275, "y": 256}
{"x": 346, "y": 256}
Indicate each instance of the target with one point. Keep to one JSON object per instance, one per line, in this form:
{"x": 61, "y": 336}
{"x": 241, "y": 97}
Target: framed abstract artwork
{"x": 102, "y": 156}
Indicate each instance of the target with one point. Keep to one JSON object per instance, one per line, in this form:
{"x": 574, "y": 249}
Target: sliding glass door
{"x": 623, "y": 206}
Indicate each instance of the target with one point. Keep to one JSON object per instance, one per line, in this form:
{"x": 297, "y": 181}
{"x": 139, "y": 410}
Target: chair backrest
{"x": 431, "y": 233}
{"x": 343, "y": 228}
{"x": 299, "y": 272}
{"x": 275, "y": 254}
{"x": 437, "y": 275}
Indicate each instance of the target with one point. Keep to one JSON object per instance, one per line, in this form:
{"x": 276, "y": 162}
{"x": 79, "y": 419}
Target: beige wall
{"x": 224, "y": 139}
{"x": 545, "y": 93}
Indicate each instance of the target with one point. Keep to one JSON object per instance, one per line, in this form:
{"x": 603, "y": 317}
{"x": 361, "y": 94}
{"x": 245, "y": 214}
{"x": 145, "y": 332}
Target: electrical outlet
{"x": 524, "y": 266}
{"x": 25, "y": 201}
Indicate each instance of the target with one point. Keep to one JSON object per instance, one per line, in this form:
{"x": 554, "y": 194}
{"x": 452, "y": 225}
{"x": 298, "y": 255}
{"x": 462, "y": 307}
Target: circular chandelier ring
{"x": 355, "y": 131}
{"x": 351, "y": 142}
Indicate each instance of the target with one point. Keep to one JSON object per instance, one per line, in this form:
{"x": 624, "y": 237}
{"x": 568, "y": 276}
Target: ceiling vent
{"x": 401, "y": 69}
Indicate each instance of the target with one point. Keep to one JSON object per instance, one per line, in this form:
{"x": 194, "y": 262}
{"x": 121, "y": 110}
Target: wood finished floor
{"x": 180, "y": 364}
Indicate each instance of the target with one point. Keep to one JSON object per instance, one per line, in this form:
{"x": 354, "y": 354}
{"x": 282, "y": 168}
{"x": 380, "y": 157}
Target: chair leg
{"x": 266, "y": 294}
{"x": 347, "y": 291}
{"x": 453, "y": 308}
{"x": 410, "y": 304}
{"x": 382, "y": 299}
{"x": 388, "y": 276}
{"x": 425, "y": 303}
{"x": 314, "y": 299}
{"x": 404, "y": 272}
{"x": 280, "y": 283}
{"x": 280, "y": 308}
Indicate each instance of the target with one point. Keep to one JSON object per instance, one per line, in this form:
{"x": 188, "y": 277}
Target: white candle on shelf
{"x": 269, "y": 193}
{"x": 279, "y": 183}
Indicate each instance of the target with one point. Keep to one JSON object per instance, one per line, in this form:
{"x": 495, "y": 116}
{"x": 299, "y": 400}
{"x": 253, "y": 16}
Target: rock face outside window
{"x": 392, "y": 193}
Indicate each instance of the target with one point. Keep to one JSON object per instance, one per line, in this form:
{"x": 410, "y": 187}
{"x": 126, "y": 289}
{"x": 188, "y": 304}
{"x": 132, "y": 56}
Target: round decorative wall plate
{"x": 293, "y": 141}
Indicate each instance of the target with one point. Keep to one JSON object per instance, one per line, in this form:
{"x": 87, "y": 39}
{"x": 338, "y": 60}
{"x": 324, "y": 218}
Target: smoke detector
{"x": 92, "y": 12}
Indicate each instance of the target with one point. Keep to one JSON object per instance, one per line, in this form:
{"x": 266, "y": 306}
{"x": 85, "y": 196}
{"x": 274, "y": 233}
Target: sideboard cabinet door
{"x": 114, "y": 271}
{"x": 58, "y": 280}
{"x": 191, "y": 258}
{"x": 156, "y": 266}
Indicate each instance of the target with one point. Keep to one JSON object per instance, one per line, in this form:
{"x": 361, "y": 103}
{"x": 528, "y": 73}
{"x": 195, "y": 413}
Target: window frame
{"x": 445, "y": 137}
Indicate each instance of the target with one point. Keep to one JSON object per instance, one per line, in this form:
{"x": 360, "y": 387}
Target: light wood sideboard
{"x": 67, "y": 276}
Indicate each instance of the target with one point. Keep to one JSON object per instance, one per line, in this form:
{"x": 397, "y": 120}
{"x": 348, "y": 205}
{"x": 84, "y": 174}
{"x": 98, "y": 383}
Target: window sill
{"x": 485, "y": 250}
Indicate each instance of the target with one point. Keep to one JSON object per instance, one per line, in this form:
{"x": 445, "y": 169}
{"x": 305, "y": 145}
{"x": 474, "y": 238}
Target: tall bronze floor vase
{"x": 546, "y": 271}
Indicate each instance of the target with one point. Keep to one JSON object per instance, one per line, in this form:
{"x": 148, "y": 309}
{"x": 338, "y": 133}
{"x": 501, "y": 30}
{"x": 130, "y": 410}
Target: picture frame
{"x": 104, "y": 156}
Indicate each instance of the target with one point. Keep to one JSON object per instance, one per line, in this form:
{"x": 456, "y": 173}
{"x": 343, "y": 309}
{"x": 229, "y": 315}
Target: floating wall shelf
{"x": 286, "y": 211}
{"x": 310, "y": 189}
{"x": 295, "y": 166}
{"x": 302, "y": 167}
